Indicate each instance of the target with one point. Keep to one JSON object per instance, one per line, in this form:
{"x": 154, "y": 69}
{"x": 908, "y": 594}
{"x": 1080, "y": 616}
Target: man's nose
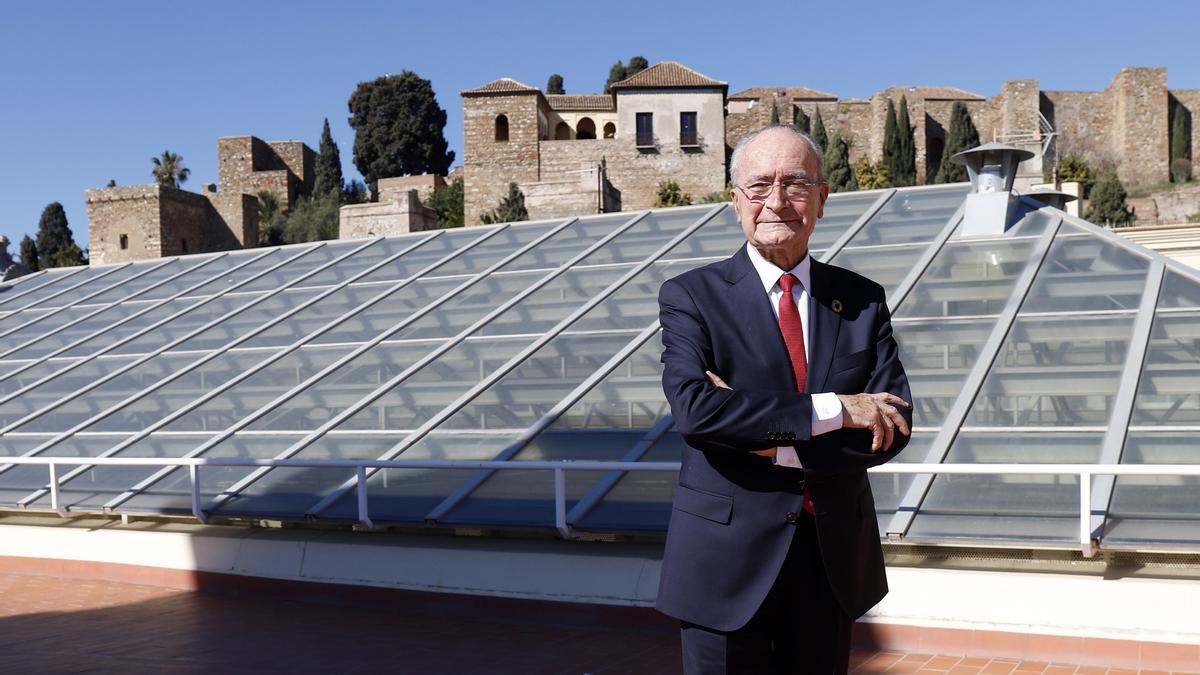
{"x": 777, "y": 201}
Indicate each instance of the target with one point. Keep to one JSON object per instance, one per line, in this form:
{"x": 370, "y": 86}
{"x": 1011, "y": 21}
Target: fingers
{"x": 896, "y": 418}
{"x": 716, "y": 380}
{"x": 889, "y": 398}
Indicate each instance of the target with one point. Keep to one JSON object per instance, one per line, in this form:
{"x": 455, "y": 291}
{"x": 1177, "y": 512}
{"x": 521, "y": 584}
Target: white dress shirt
{"x": 826, "y": 408}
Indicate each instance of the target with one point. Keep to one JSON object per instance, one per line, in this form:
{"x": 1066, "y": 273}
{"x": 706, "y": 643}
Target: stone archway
{"x": 585, "y": 129}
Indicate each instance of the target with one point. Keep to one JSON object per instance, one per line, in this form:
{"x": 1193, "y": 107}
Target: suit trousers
{"x": 799, "y": 628}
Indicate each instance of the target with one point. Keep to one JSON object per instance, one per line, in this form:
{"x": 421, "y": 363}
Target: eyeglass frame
{"x": 807, "y": 185}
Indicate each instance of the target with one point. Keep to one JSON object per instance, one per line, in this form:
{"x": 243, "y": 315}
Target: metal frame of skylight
{"x": 445, "y": 346}
{"x": 988, "y": 351}
{"x": 515, "y": 361}
{"x": 62, "y": 276}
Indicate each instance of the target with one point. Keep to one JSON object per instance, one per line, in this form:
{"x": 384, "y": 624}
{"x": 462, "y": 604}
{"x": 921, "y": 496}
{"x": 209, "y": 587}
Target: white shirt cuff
{"x": 826, "y": 417}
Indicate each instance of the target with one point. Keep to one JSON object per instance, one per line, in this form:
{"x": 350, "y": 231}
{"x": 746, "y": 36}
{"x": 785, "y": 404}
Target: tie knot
{"x": 787, "y": 281}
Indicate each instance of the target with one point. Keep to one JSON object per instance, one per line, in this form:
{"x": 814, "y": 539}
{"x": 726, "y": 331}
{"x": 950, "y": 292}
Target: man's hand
{"x": 719, "y": 383}
{"x": 876, "y": 412}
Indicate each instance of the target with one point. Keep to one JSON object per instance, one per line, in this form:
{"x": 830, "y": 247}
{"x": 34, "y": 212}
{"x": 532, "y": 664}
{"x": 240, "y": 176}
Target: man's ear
{"x": 824, "y": 196}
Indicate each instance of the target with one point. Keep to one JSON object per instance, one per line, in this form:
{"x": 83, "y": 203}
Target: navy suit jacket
{"x": 729, "y": 530}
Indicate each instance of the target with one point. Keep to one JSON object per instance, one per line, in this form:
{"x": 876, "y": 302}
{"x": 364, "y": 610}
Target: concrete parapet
{"x": 402, "y": 214}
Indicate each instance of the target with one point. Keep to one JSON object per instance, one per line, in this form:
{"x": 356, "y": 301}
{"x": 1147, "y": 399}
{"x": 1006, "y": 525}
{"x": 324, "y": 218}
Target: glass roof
{"x": 1054, "y": 343}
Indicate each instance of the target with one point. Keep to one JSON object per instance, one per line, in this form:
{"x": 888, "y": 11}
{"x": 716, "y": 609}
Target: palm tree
{"x": 169, "y": 169}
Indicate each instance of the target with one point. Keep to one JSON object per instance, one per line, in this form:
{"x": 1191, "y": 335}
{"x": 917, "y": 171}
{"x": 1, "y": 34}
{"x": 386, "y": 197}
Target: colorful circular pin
{"x": 836, "y": 305}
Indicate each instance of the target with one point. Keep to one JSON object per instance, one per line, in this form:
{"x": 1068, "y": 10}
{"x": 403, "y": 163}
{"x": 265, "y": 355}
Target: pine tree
{"x": 29, "y": 254}
{"x": 448, "y": 202}
{"x": 962, "y": 136}
{"x": 818, "y": 131}
{"x": 636, "y": 65}
{"x": 1073, "y": 169}
{"x": 669, "y": 194}
{"x": 801, "y": 121}
{"x": 554, "y": 85}
{"x": 838, "y": 173}
{"x": 510, "y": 210}
{"x": 891, "y": 145}
{"x": 329, "y": 165}
{"x": 398, "y": 128}
{"x": 908, "y": 146}
{"x": 1107, "y": 206}
{"x": 55, "y": 245}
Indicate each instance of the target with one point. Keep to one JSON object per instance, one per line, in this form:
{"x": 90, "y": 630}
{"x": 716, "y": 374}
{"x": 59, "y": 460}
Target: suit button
{"x": 792, "y": 517}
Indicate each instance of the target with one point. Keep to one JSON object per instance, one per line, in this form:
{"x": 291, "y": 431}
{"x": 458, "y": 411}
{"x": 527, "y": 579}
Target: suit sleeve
{"x": 850, "y": 449}
{"x": 710, "y": 418}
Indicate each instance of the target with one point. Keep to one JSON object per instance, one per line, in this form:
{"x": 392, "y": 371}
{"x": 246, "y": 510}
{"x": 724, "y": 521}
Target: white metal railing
{"x": 1088, "y": 545}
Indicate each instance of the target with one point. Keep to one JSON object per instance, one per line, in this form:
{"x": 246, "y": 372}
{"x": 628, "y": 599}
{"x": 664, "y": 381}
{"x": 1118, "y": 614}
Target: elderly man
{"x": 784, "y": 380}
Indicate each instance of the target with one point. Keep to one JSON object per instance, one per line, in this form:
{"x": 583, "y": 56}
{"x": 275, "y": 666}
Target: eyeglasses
{"x": 796, "y": 190}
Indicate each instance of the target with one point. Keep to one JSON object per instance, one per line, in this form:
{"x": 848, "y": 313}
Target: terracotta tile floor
{"x": 52, "y": 625}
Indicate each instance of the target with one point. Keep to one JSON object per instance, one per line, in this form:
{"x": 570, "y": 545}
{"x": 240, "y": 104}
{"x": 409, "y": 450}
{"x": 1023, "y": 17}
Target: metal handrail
{"x": 1088, "y": 544}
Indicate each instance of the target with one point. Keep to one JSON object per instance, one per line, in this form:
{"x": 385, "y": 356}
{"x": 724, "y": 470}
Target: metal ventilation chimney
{"x": 1052, "y": 198}
{"x": 991, "y": 206}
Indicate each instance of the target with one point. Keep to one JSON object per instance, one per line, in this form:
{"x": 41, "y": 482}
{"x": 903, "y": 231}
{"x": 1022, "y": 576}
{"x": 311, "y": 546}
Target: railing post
{"x": 55, "y": 498}
{"x": 560, "y": 503}
{"x": 194, "y": 475}
{"x": 1086, "y": 544}
{"x": 363, "y": 516}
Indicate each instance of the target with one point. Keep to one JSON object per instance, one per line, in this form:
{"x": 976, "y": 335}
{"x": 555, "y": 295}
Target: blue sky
{"x": 89, "y": 92}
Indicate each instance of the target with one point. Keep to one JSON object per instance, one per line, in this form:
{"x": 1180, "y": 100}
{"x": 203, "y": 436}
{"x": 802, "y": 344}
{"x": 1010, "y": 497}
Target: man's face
{"x": 778, "y": 225}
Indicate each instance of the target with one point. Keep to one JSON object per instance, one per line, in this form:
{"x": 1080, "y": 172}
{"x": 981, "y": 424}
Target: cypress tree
{"x": 818, "y": 132}
{"x": 891, "y": 146}
{"x": 615, "y": 74}
{"x": 398, "y": 128}
{"x": 801, "y": 121}
{"x": 554, "y": 85}
{"x": 29, "y": 254}
{"x": 329, "y": 165}
{"x": 1106, "y": 205}
{"x": 1179, "y": 139}
{"x": 838, "y": 172}
{"x": 55, "y": 245}
{"x": 6, "y": 260}
{"x": 908, "y": 145}
{"x": 961, "y": 136}
{"x": 636, "y": 65}
{"x": 775, "y": 113}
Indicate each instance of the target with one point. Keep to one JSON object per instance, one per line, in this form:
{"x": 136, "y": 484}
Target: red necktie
{"x": 793, "y": 337}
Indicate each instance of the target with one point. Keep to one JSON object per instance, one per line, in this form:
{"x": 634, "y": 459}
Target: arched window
{"x": 586, "y": 129}
{"x": 562, "y": 132}
{"x": 610, "y": 130}
{"x": 501, "y": 127}
{"x": 124, "y": 242}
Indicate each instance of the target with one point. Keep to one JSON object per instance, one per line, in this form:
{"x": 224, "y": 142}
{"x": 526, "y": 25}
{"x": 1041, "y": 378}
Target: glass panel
{"x": 1167, "y": 391}
{"x": 937, "y": 357}
{"x": 406, "y": 406}
{"x": 228, "y": 407}
{"x": 189, "y": 268}
{"x": 246, "y": 321}
{"x": 364, "y": 259}
{"x": 309, "y": 319}
{"x": 106, "y": 278}
{"x": 226, "y": 278}
{"x": 14, "y": 381}
{"x": 94, "y": 488}
{"x": 173, "y": 493}
{"x": 196, "y": 316}
{"x": 67, "y": 381}
{"x": 646, "y": 236}
{"x": 1055, "y": 372}
{"x": 436, "y": 249}
{"x": 39, "y": 341}
{"x": 887, "y": 267}
{"x": 292, "y": 271}
{"x": 1008, "y": 507}
{"x": 910, "y": 217}
{"x": 1087, "y": 273}
{"x": 19, "y": 481}
{"x": 18, "y": 292}
{"x": 967, "y": 279}
{"x": 630, "y": 397}
{"x": 640, "y": 500}
{"x": 56, "y": 282}
{"x": 526, "y": 497}
{"x": 408, "y": 495}
{"x": 889, "y": 488}
{"x": 368, "y": 323}
{"x": 1031, "y": 224}
{"x": 1179, "y": 291}
{"x": 506, "y": 243}
{"x": 1161, "y": 510}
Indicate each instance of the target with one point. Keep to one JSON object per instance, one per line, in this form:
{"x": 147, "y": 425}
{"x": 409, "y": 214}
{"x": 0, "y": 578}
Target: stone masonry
{"x": 139, "y": 222}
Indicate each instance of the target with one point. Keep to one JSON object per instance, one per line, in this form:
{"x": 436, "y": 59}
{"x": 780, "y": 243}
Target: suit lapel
{"x": 756, "y": 319}
{"x": 825, "y": 324}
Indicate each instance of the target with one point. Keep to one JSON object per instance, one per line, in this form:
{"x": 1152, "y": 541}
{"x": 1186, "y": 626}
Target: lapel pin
{"x": 836, "y": 306}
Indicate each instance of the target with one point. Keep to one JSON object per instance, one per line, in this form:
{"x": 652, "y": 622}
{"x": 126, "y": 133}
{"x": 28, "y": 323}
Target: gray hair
{"x": 812, "y": 145}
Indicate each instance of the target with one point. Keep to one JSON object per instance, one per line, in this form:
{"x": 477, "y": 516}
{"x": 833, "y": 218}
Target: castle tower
{"x": 503, "y": 123}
